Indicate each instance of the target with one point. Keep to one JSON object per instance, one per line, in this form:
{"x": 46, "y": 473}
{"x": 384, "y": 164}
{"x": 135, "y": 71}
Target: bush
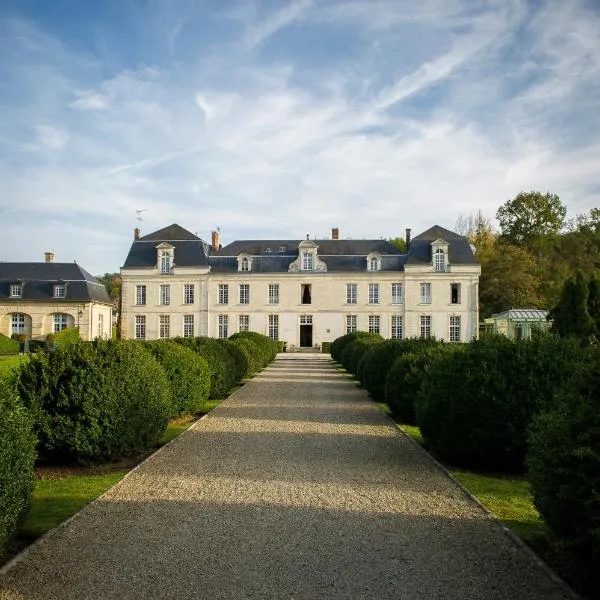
{"x": 339, "y": 344}
{"x": 268, "y": 348}
{"x": 374, "y": 366}
{"x": 8, "y": 345}
{"x": 220, "y": 360}
{"x": 326, "y": 347}
{"x": 354, "y": 351}
{"x": 476, "y": 404}
{"x": 188, "y": 374}
{"x": 17, "y": 457}
{"x": 67, "y": 336}
{"x": 251, "y": 351}
{"x": 239, "y": 359}
{"x": 564, "y": 464}
{"x": 405, "y": 376}
{"x": 100, "y": 400}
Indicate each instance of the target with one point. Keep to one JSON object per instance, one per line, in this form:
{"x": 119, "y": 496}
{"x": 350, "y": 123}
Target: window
{"x": 60, "y": 321}
{"x": 164, "y": 330}
{"x": 100, "y": 325}
{"x": 440, "y": 260}
{"x": 373, "y": 263}
{"x": 244, "y": 264}
{"x": 350, "y": 323}
{"x": 305, "y": 319}
{"x": 396, "y": 293}
{"x": 244, "y": 293}
{"x": 397, "y": 327}
{"x": 223, "y": 293}
{"x": 140, "y": 294}
{"x": 305, "y": 293}
{"x": 455, "y": 329}
{"x": 188, "y": 325}
{"x": 425, "y": 293}
{"x": 455, "y": 293}
{"x": 165, "y": 294}
{"x": 351, "y": 293}
{"x": 165, "y": 262}
{"x": 307, "y": 261}
{"x": 373, "y": 323}
{"x": 16, "y": 290}
{"x": 188, "y": 293}
{"x": 60, "y": 290}
{"x": 18, "y": 323}
{"x": 273, "y": 293}
{"x": 140, "y": 327}
{"x": 425, "y": 327}
{"x": 244, "y": 322}
{"x": 274, "y": 327}
{"x": 223, "y": 326}
{"x": 373, "y": 293}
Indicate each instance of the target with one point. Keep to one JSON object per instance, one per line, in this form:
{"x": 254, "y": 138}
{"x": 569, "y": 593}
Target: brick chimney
{"x": 335, "y": 233}
{"x": 136, "y": 233}
{"x": 48, "y": 257}
{"x": 216, "y": 240}
{"x": 407, "y": 237}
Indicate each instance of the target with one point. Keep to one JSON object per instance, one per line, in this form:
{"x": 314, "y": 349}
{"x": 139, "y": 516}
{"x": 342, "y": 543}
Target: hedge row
{"x": 8, "y": 345}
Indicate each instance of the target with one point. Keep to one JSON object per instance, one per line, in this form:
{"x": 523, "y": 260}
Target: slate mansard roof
{"x": 275, "y": 256}
{"x": 38, "y": 280}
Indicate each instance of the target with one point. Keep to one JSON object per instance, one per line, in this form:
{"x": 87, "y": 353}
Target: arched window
{"x": 245, "y": 264}
{"x": 373, "y": 263}
{"x": 440, "y": 260}
{"x": 17, "y": 323}
{"x": 165, "y": 262}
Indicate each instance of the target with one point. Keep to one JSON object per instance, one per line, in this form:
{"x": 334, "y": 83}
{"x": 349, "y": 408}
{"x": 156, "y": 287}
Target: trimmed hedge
{"x": 476, "y": 404}
{"x": 100, "y": 400}
{"x": 67, "y": 336}
{"x": 268, "y": 348}
{"x": 188, "y": 374}
{"x": 8, "y": 346}
{"x": 239, "y": 359}
{"x": 17, "y": 457}
{"x": 353, "y": 352}
{"x": 339, "y": 344}
{"x": 325, "y": 347}
{"x": 564, "y": 464}
{"x": 375, "y": 364}
{"x": 251, "y": 351}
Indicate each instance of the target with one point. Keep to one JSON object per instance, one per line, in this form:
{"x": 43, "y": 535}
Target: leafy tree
{"x": 400, "y": 243}
{"x": 593, "y": 304}
{"x": 570, "y": 316}
{"x": 530, "y": 215}
{"x": 112, "y": 283}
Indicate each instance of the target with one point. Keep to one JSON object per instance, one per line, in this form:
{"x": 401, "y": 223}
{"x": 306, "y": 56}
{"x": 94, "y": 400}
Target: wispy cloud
{"x": 276, "y": 21}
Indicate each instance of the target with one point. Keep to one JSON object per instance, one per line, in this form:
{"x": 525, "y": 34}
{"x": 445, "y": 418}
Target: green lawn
{"x": 7, "y": 363}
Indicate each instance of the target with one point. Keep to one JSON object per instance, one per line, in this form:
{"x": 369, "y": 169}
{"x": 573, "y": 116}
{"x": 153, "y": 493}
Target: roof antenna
{"x": 139, "y": 217}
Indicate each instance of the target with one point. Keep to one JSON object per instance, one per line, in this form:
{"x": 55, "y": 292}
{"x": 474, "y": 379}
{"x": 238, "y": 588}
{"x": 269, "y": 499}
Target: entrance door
{"x": 306, "y": 336}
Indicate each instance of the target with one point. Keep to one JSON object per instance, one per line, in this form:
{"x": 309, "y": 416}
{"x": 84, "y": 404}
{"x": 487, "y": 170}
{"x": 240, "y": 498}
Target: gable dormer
{"x": 308, "y": 258}
{"x": 439, "y": 256}
{"x": 244, "y": 263}
{"x": 165, "y": 258}
{"x": 373, "y": 261}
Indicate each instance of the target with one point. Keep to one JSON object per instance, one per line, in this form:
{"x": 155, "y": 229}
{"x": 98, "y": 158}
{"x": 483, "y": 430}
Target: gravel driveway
{"x": 295, "y": 487}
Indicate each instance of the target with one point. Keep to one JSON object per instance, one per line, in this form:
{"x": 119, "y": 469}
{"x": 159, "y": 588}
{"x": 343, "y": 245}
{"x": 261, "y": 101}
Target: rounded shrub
{"x": 564, "y": 464}
{"x": 374, "y": 366}
{"x": 339, "y": 344}
{"x": 100, "y": 400}
{"x": 251, "y": 351}
{"x": 355, "y": 350}
{"x": 8, "y": 345}
{"x": 268, "y": 348}
{"x": 476, "y": 404}
{"x": 239, "y": 359}
{"x": 188, "y": 374}
{"x": 17, "y": 457}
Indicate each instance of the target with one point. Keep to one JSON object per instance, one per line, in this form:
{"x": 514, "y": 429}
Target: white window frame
{"x": 351, "y": 323}
{"x": 306, "y": 320}
{"x": 140, "y": 295}
{"x": 188, "y": 325}
{"x": 273, "y": 293}
{"x": 455, "y": 328}
{"x": 439, "y": 260}
{"x": 273, "y": 327}
{"x": 223, "y": 327}
{"x": 100, "y": 325}
{"x": 308, "y": 260}
{"x": 189, "y": 293}
{"x": 373, "y": 263}
{"x": 164, "y": 327}
{"x": 16, "y": 290}
{"x": 60, "y": 321}
{"x": 397, "y": 293}
{"x": 140, "y": 327}
{"x": 243, "y": 322}
{"x": 397, "y": 327}
{"x": 425, "y": 327}
{"x": 18, "y": 323}
{"x": 223, "y": 293}
{"x": 373, "y": 293}
{"x": 165, "y": 294}
{"x": 351, "y": 293}
{"x": 426, "y": 293}
{"x": 245, "y": 264}
{"x": 374, "y": 324}
{"x": 60, "y": 290}
{"x": 244, "y": 293}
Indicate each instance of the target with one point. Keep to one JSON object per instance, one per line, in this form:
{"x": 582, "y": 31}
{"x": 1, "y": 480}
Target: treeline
{"x": 83, "y": 402}
{"x": 537, "y": 249}
{"x": 500, "y": 405}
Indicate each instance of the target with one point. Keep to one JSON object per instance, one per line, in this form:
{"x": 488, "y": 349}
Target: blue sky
{"x": 273, "y": 119}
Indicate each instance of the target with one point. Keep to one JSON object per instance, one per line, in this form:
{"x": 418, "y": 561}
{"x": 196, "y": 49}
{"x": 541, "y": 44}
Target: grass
{"x": 7, "y": 363}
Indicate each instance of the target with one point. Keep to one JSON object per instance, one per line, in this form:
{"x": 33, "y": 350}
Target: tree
{"x": 593, "y": 304}
{"x": 530, "y": 215}
{"x": 112, "y": 283}
{"x": 570, "y": 316}
{"x": 400, "y": 243}
{"x": 474, "y": 226}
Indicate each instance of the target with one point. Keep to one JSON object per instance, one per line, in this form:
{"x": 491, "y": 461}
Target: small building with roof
{"x": 517, "y": 323}
{"x": 38, "y": 298}
{"x": 304, "y": 292}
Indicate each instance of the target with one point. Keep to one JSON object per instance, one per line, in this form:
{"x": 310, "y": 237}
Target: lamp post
{"x": 79, "y": 313}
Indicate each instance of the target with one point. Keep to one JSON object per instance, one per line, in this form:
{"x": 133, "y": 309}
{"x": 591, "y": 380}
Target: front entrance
{"x": 306, "y": 331}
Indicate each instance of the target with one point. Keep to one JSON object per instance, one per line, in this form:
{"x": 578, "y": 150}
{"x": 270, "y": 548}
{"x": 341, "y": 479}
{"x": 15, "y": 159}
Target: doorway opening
{"x": 306, "y": 331}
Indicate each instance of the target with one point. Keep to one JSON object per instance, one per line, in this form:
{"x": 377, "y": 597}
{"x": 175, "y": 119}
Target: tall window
{"x": 396, "y": 293}
{"x": 350, "y": 323}
{"x": 455, "y": 293}
{"x": 188, "y": 293}
{"x": 374, "y": 324}
{"x": 245, "y": 264}
{"x": 165, "y": 262}
{"x": 274, "y": 327}
{"x": 273, "y": 293}
{"x": 16, "y": 290}
{"x": 307, "y": 261}
{"x": 223, "y": 326}
{"x": 165, "y": 294}
{"x": 244, "y": 323}
{"x": 440, "y": 260}
{"x": 425, "y": 293}
{"x": 60, "y": 290}
{"x": 60, "y": 321}
{"x": 164, "y": 330}
{"x": 305, "y": 293}
{"x": 100, "y": 325}
{"x": 397, "y": 329}
{"x": 140, "y": 294}
{"x": 425, "y": 326}
{"x": 455, "y": 329}
{"x": 223, "y": 293}
{"x": 140, "y": 327}
{"x": 17, "y": 323}
{"x": 351, "y": 293}
{"x": 373, "y": 263}
{"x": 244, "y": 293}
{"x": 373, "y": 293}
{"x": 188, "y": 325}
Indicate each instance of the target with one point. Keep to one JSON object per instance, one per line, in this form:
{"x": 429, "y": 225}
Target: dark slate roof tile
{"x": 188, "y": 253}
{"x": 170, "y": 233}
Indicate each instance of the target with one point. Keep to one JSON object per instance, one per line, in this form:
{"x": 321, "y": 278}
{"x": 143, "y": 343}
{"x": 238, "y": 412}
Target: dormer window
{"x": 307, "y": 261}
{"x": 244, "y": 263}
{"x": 373, "y": 262}
{"x": 60, "y": 290}
{"x": 16, "y": 290}
{"x": 166, "y": 258}
{"x": 439, "y": 256}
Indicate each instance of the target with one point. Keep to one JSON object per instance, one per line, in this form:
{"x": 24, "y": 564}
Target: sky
{"x": 274, "y": 119}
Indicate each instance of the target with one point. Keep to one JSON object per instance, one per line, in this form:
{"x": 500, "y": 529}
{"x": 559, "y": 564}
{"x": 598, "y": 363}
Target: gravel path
{"x": 295, "y": 487}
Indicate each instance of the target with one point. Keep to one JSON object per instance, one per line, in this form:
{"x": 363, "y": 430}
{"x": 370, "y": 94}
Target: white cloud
{"x": 263, "y": 30}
